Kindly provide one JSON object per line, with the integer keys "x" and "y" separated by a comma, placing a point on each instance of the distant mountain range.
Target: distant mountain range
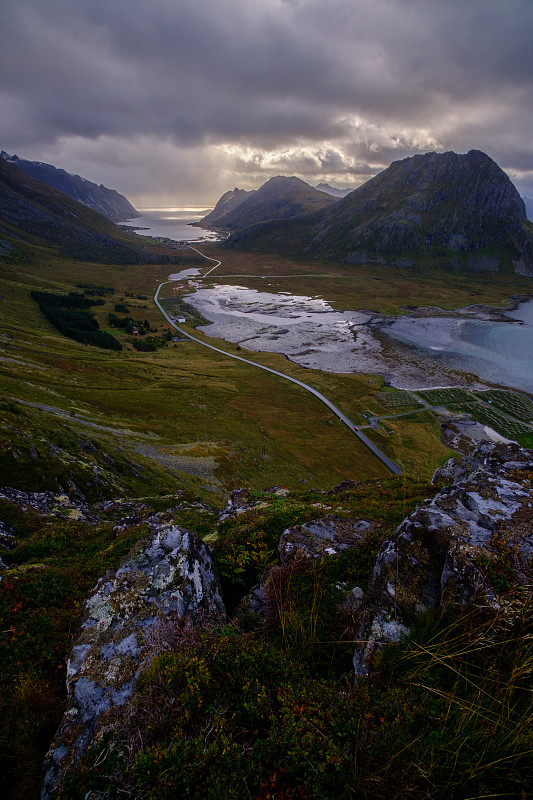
{"x": 458, "y": 211}
{"x": 325, "y": 187}
{"x": 35, "y": 215}
{"x": 106, "y": 201}
{"x": 279, "y": 198}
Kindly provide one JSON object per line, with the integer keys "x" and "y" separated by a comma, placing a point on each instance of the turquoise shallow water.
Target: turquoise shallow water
{"x": 500, "y": 352}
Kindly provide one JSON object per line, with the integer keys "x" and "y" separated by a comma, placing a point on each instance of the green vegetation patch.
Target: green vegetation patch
{"x": 448, "y": 714}
{"x": 93, "y": 290}
{"x": 57, "y": 562}
{"x": 513, "y": 403}
{"x": 66, "y": 314}
{"x": 493, "y": 419}
{"x": 398, "y": 400}
{"x": 246, "y": 545}
{"x": 443, "y": 397}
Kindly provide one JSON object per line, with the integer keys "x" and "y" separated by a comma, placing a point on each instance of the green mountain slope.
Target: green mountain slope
{"x": 461, "y": 211}
{"x": 106, "y": 201}
{"x": 33, "y": 213}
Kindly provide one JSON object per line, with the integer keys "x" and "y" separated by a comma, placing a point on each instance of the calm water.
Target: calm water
{"x": 173, "y": 223}
{"x": 501, "y": 352}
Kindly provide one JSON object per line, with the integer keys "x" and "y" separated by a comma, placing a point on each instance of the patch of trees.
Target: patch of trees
{"x": 67, "y": 313}
{"x": 121, "y": 308}
{"x": 151, "y": 343}
{"x": 130, "y": 325}
{"x": 72, "y": 300}
{"x": 93, "y": 290}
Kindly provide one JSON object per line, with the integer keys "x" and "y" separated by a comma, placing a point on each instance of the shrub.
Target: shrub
{"x": 449, "y": 714}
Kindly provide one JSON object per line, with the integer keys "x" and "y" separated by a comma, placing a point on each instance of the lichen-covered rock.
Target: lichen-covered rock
{"x": 329, "y": 536}
{"x": 448, "y": 472}
{"x": 325, "y": 537}
{"x": 436, "y": 557}
{"x": 238, "y": 502}
{"x": 168, "y": 577}
{"x": 353, "y": 601}
{"x": 241, "y": 501}
{"x": 8, "y": 537}
{"x": 59, "y": 505}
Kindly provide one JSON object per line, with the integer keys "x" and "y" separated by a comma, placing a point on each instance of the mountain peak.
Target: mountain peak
{"x": 280, "y": 198}
{"x": 460, "y": 211}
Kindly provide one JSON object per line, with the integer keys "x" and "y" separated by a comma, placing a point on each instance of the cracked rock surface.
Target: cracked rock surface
{"x": 167, "y": 577}
{"x": 434, "y": 559}
{"x": 328, "y": 536}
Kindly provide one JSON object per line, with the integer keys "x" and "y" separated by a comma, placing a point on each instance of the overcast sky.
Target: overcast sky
{"x": 176, "y": 101}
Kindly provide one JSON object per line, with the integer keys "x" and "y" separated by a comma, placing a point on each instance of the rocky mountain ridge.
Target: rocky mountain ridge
{"x": 227, "y": 203}
{"x": 280, "y": 198}
{"x": 333, "y": 190}
{"x": 459, "y": 211}
{"x": 108, "y": 202}
{"x": 34, "y": 213}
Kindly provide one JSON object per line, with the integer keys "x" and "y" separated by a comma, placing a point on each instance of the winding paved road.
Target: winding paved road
{"x": 394, "y": 468}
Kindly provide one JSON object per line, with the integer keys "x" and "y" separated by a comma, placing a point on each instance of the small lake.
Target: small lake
{"x": 172, "y": 223}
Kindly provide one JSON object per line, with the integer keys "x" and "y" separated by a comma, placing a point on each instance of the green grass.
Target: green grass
{"x": 57, "y": 561}
{"x": 512, "y": 403}
{"x": 258, "y": 425}
{"x": 385, "y": 289}
{"x": 495, "y": 420}
{"x": 394, "y": 400}
{"x": 447, "y": 715}
{"x": 443, "y": 397}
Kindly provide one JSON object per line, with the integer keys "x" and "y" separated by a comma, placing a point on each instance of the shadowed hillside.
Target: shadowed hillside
{"x": 279, "y": 198}
{"x": 31, "y": 212}
{"x": 459, "y": 211}
{"x": 106, "y": 201}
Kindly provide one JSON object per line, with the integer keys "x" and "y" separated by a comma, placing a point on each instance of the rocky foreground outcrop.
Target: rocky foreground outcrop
{"x": 443, "y": 555}
{"x": 446, "y": 556}
{"x": 167, "y": 578}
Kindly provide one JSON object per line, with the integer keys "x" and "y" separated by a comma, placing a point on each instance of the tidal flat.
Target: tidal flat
{"x": 428, "y": 347}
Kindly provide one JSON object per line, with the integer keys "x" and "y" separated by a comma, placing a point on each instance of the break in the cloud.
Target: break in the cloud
{"x": 179, "y": 100}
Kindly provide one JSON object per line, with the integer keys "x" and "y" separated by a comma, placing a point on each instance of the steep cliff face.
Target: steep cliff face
{"x": 435, "y": 202}
{"x": 107, "y": 202}
{"x": 461, "y": 210}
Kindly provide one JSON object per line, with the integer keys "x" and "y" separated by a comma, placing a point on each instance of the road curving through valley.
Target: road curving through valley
{"x": 394, "y": 468}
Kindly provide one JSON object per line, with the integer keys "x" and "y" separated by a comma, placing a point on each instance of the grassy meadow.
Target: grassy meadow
{"x": 178, "y": 417}
{"x": 386, "y": 289}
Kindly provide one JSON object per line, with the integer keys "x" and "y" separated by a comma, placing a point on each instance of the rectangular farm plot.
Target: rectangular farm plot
{"x": 517, "y": 405}
{"x": 493, "y": 419}
{"x": 443, "y": 397}
{"x": 398, "y": 400}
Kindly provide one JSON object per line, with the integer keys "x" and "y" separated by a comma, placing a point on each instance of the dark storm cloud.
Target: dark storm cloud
{"x": 353, "y": 83}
